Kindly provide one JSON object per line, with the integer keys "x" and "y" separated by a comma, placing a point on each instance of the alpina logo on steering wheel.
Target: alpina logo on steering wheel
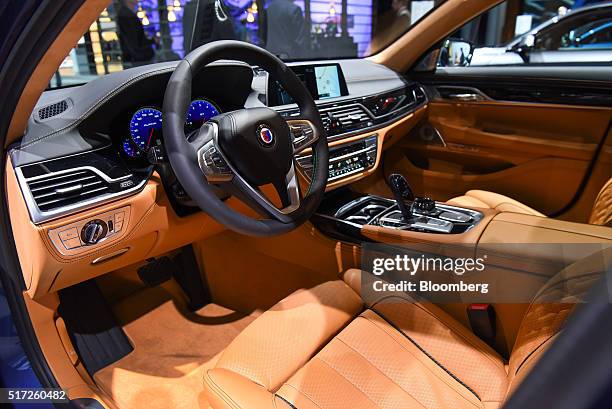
{"x": 265, "y": 135}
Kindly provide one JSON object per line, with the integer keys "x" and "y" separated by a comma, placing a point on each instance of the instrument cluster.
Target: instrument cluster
{"x": 145, "y": 126}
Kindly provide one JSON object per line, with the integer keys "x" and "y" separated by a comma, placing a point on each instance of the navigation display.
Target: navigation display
{"x": 323, "y": 81}
{"x": 328, "y": 81}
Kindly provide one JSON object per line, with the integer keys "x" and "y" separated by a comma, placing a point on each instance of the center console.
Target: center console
{"x": 383, "y": 212}
{"x": 346, "y": 159}
{"x": 347, "y": 215}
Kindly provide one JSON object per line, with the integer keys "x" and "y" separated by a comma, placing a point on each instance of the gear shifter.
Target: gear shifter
{"x": 402, "y": 193}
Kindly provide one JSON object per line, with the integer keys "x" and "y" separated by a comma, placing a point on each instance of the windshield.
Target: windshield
{"x": 130, "y": 33}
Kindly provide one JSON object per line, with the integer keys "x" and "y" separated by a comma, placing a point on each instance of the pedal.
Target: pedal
{"x": 157, "y": 271}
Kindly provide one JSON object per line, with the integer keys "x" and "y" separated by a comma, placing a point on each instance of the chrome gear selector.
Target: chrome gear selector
{"x": 402, "y": 193}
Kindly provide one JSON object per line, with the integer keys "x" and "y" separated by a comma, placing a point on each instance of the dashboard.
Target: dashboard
{"x": 102, "y": 141}
{"x": 91, "y": 175}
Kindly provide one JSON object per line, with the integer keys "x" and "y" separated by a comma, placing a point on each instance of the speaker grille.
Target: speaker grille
{"x": 49, "y": 111}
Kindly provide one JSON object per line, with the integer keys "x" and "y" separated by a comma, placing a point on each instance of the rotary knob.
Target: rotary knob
{"x": 93, "y": 231}
{"x": 424, "y": 204}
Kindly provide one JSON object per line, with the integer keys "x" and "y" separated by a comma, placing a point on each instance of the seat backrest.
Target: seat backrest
{"x": 550, "y": 309}
{"x": 602, "y": 208}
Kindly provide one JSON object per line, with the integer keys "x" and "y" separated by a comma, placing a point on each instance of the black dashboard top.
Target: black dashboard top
{"x": 76, "y": 119}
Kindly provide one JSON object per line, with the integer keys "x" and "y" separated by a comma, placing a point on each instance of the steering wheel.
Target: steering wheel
{"x": 242, "y": 150}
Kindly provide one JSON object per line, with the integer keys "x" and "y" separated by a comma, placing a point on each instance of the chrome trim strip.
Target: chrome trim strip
{"x": 324, "y": 216}
{"x": 38, "y": 216}
{"x": 356, "y": 202}
{"x": 110, "y": 256}
{"x": 461, "y": 89}
{"x": 352, "y": 172}
{"x": 91, "y": 168}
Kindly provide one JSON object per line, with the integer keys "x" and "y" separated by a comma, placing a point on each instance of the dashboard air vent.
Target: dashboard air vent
{"x": 65, "y": 189}
{"x": 345, "y": 116}
{"x": 54, "y": 109}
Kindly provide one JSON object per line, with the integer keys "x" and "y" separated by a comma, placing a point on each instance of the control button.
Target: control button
{"x": 212, "y": 164}
{"x": 119, "y": 216}
{"x": 439, "y": 226}
{"x": 69, "y": 234}
{"x": 424, "y": 204}
{"x": 156, "y": 155}
{"x": 371, "y": 159}
{"x": 118, "y": 226}
{"x": 93, "y": 231}
{"x": 455, "y": 217}
{"x": 110, "y": 226}
{"x": 303, "y": 134}
{"x": 72, "y": 243}
{"x": 214, "y": 160}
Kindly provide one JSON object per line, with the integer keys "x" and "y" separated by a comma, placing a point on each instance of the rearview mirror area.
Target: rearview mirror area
{"x": 455, "y": 53}
{"x": 524, "y": 46}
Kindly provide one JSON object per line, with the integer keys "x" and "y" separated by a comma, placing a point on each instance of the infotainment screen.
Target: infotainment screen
{"x": 323, "y": 81}
{"x": 328, "y": 81}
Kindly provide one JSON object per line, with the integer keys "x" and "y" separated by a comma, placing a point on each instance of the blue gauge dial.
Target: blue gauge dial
{"x": 146, "y": 128}
{"x": 200, "y": 111}
{"x": 129, "y": 148}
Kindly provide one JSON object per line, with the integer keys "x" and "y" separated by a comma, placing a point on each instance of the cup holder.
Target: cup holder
{"x": 363, "y": 210}
{"x": 372, "y": 210}
{"x": 358, "y": 219}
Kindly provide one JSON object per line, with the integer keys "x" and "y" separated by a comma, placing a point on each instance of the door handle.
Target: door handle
{"x": 466, "y": 97}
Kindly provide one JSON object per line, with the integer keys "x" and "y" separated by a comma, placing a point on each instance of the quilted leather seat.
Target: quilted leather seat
{"x": 601, "y": 214}
{"x": 324, "y": 348}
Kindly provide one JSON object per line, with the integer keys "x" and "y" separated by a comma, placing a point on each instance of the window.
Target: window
{"x": 130, "y": 33}
{"x": 580, "y": 33}
{"x": 518, "y": 32}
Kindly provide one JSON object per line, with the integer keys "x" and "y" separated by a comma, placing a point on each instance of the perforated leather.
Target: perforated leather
{"x": 319, "y": 349}
{"x": 285, "y": 337}
{"x": 602, "y": 209}
{"x": 370, "y": 364}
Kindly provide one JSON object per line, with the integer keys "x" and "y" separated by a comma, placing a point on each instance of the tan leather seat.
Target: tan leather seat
{"x": 601, "y": 213}
{"x": 323, "y": 348}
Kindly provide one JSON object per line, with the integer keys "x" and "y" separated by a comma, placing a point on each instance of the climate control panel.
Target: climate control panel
{"x": 83, "y": 235}
{"x": 347, "y": 159}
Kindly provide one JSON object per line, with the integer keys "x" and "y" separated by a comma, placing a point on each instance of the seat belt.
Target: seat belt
{"x": 482, "y": 321}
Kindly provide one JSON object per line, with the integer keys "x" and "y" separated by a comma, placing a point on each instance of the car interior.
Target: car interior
{"x": 190, "y": 233}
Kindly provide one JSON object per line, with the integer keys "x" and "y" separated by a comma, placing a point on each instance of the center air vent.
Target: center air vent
{"x": 54, "y": 109}
{"x": 346, "y": 115}
{"x": 65, "y": 189}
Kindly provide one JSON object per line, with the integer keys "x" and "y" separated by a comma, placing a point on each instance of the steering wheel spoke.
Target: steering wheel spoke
{"x": 211, "y": 160}
{"x": 287, "y": 189}
{"x": 303, "y": 133}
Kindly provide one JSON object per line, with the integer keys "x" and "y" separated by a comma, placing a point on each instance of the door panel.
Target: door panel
{"x": 539, "y": 153}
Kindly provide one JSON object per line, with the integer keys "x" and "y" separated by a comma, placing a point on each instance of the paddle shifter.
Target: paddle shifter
{"x": 402, "y": 193}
